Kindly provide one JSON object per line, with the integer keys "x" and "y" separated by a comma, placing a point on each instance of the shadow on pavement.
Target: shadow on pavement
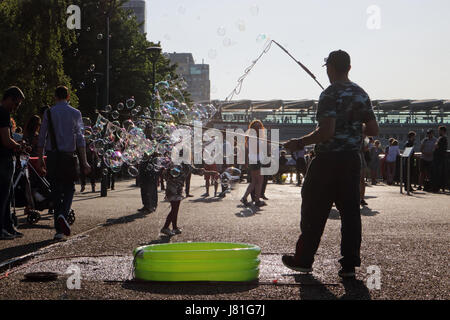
{"x": 334, "y": 215}
{"x": 247, "y": 212}
{"x": 189, "y": 288}
{"x": 160, "y": 240}
{"x": 313, "y": 289}
{"x": 206, "y": 200}
{"x": 355, "y": 290}
{"x": 125, "y": 219}
{"x": 18, "y": 251}
{"x": 367, "y": 212}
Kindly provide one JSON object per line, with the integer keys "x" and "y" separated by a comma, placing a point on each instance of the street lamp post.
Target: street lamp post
{"x": 154, "y": 53}
{"x": 107, "y": 58}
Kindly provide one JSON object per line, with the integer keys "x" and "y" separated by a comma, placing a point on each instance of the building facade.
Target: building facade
{"x": 195, "y": 75}
{"x": 140, "y": 11}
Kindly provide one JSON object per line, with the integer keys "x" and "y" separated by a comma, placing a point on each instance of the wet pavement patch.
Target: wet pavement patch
{"x": 119, "y": 269}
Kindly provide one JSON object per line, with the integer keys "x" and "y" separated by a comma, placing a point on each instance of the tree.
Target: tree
{"x": 32, "y": 33}
{"x": 131, "y": 69}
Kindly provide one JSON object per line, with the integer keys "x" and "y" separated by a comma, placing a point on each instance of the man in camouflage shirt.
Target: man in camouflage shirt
{"x": 344, "y": 115}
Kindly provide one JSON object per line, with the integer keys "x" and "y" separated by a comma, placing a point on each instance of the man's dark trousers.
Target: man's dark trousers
{"x": 6, "y": 180}
{"x": 148, "y": 182}
{"x": 62, "y": 197}
{"x": 62, "y": 190}
{"x": 188, "y": 183}
{"x": 331, "y": 177}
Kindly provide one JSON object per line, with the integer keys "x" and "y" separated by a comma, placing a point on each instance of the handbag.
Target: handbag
{"x": 62, "y": 166}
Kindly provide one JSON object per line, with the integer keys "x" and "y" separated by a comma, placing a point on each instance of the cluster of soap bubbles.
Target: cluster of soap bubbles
{"x": 125, "y": 134}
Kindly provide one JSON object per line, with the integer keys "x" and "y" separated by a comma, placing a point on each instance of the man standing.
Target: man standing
{"x": 344, "y": 115}
{"x": 11, "y": 101}
{"x": 61, "y": 135}
{"x": 409, "y": 144}
{"x": 426, "y": 148}
{"x": 300, "y": 165}
{"x": 439, "y": 158}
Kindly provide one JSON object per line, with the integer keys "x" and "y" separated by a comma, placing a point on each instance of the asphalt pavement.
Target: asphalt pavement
{"x": 405, "y": 248}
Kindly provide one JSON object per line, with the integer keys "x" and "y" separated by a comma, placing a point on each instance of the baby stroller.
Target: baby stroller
{"x": 32, "y": 191}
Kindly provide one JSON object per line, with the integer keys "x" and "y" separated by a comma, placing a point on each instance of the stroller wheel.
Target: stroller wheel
{"x": 71, "y": 217}
{"x": 33, "y": 217}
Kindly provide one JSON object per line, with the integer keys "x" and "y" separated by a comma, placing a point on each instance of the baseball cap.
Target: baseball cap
{"x": 339, "y": 59}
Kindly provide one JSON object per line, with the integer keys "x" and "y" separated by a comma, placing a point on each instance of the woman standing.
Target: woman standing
{"x": 375, "y": 161}
{"x": 391, "y": 159}
{"x": 254, "y": 166}
{"x": 31, "y": 133}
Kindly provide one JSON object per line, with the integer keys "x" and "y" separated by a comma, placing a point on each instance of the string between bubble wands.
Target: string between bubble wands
{"x": 238, "y": 88}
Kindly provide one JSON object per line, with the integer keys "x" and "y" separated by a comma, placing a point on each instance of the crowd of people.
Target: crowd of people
{"x": 428, "y": 160}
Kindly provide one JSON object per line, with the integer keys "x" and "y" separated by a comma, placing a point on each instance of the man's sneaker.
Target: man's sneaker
{"x": 205, "y": 195}
{"x": 363, "y": 202}
{"x": 167, "y": 232}
{"x": 145, "y": 210}
{"x": 289, "y": 262}
{"x": 63, "y": 225}
{"x": 347, "y": 273}
{"x": 58, "y": 237}
{"x": 176, "y": 231}
{"x": 189, "y": 196}
{"x": 15, "y": 233}
{"x": 5, "y": 235}
{"x": 245, "y": 202}
{"x": 260, "y": 204}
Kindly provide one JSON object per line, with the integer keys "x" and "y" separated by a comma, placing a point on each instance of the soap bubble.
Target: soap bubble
{"x": 128, "y": 124}
{"x": 221, "y": 31}
{"x": 120, "y": 106}
{"x": 113, "y": 159}
{"x": 176, "y": 171}
{"x": 133, "y": 171}
{"x": 87, "y": 122}
{"x": 227, "y": 42}
{"x": 115, "y": 114}
{"x": 212, "y": 54}
{"x": 261, "y": 38}
{"x": 130, "y": 103}
{"x": 108, "y": 108}
{"x": 240, "y": 24}
{"x": 254, "y": 10}
{"x": 100, "y": 36}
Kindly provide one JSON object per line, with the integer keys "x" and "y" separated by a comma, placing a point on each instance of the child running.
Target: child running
{"x": 175, "y": 178}
{"x": 209, "y": 179}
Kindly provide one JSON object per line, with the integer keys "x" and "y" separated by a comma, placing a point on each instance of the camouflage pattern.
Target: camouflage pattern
{"x": 350, "y": 105}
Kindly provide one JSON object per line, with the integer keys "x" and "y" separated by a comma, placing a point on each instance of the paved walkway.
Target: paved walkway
{"x": 406, "y": 237}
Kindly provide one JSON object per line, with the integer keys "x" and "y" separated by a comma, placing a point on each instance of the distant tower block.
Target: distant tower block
{"x": 139, "y": 9}
{"x": 196, "y": 76}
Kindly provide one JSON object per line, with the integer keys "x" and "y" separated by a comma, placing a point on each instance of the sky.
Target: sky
{"x": 400, "y": 49}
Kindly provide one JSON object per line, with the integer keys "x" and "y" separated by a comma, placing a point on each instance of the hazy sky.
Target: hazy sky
{"x": 407, "y": 57}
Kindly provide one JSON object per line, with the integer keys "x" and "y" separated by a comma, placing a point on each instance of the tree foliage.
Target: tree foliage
{"x": 39, "y": 52}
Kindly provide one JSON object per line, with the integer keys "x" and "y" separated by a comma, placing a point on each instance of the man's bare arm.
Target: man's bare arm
{"x": 6, "y": 139}
{"x": 324, "y": 132}
{"x": 371, "y": 128}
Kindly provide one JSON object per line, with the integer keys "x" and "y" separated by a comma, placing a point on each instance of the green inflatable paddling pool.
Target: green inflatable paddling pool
{"x": 197, "y": 261}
